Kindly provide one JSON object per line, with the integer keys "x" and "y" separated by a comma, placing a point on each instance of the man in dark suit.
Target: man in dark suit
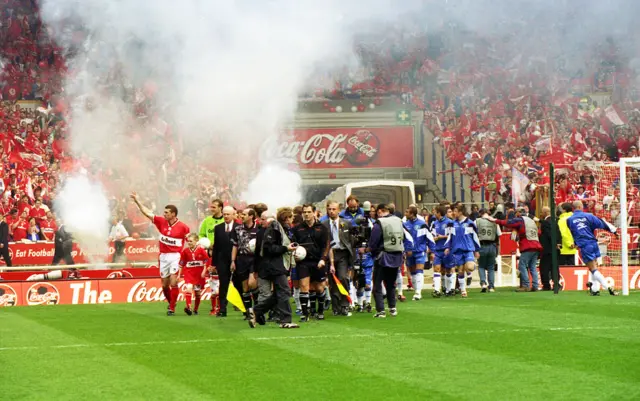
{"x": 221, "y": 255}
{"x": 341, "y": 257}
{"x": 4, "y": 241}
{"x": 547, "y": 248}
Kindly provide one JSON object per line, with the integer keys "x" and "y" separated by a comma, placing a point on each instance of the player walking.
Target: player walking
{"x": 441, "y": 229}
{"x": 582, "y": 226}
{"x": 172, "y": 234}
{"x": 194, "y": 261}
{"x": 417, "y": 239}
{"x": 465, "y": 246}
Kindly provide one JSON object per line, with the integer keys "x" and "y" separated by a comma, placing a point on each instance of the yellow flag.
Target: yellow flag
{"x": 233, "y": 296}
{"x": 341, "y": 288}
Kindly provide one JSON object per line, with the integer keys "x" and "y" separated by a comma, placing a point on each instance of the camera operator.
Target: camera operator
{"x": 386, "y": 246}
{"x": 312, "y": 271}
{"x": 276, "y": 260}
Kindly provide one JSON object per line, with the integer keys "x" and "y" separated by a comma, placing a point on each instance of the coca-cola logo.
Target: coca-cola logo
{"x": 43, "y": 294}
{"x": 8, "y": 296}
{"x": 358, "y": 149}
{"x": 603, "y": 237}
{"x": 362, "y": 147}
{"x": 139, "y": 292}
{"x": 120, "y": 274}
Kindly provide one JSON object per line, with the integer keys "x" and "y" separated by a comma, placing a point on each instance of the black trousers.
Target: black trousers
{"x": 224, "y": 275}
{"x": 4, "y": 252}
{"x": 566, "y": 260}
{"x": 384, "y": 276}
{"x": 280, "y": 299}
{"x": 341, "y": 263}
{"x": 60, "y": 254}
{"x": 118, "y": 256}
{"x": 545, "y": 270}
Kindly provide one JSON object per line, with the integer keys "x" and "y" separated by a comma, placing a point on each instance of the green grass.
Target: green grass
{"x": 501, "y": 346}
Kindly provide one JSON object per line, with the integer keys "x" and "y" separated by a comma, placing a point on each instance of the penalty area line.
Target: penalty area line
{"x": 309, "y": 337}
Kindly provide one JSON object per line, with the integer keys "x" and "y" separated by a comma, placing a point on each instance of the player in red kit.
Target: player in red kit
{"x": 194, "y": 260}
{"x": 172, "y": 235}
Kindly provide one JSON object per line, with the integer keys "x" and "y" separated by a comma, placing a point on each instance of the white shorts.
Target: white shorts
{"x": 169, "y": 264}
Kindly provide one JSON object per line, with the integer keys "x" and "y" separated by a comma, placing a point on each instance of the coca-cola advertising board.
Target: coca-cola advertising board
{"x": 348, "y": 147}
{"x": 575, "y": 278}
{"x": 41, "y": 253}
{"x": 85, "y": 274}
{"x": 80, "y": 292}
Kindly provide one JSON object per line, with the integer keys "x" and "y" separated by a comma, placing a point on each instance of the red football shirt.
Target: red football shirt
{"x": 192, "y": 263}
{"x": 171, "y": 235}
{"x": 48, "y": 228}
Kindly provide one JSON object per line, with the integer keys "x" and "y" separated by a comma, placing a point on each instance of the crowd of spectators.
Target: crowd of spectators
{"x": 509, "y": 108}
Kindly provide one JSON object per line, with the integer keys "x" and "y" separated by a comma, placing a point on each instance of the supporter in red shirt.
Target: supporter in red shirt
{"x": 48, "y": 227}
{"x": 19, "y": 227}
{"x": 38, "y": 211}
{"x": 24, "y": 205}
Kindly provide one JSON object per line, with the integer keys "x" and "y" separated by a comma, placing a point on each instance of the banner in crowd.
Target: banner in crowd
{"x": 41, "y": 253}
{"x": 80, "y": 292}
{"x": 607, "y": 241}
{"x": 575, "y": 278}
{"x": 101, "y": 274}
{"x": 349, "y": 147}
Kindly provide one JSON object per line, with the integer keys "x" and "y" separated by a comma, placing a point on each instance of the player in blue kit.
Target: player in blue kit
{"x": 465, "y": 246}
{"x": 582, "y": 226}
{"x": 417, "y": 239}
{"x": 443, "y": 262}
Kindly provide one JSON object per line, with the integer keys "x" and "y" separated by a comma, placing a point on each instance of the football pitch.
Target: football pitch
{"x": 501, "y": 346}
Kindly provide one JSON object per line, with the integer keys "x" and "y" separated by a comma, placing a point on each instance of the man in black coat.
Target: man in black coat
{"x": 276, "y": 259}
{"x": 547, "y": 248}
{"x": 63, "y": 246}
{"x": 221, "y": 255}
{"x": 341, "y": 257}
{"x": 4, "y": 241}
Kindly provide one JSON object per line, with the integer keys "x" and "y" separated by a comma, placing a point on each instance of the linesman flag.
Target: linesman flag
{"x": 341, "y": 288}
{"x": 233, "y": 296}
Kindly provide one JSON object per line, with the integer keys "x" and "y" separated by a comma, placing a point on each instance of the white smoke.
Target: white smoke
{"x": 276, "y": 186}
{"x": 221, "y": 69}
{"x": 84, "y": 210}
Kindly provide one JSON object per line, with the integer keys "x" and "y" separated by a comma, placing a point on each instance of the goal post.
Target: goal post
{"x": 626, "y": 165}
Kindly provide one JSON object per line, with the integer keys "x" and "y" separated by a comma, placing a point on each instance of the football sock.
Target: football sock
{"x": 255, "y": 293}
{"x": 214, "y": 302}
{"x": 327, "y": 295}
{"x": 367, "y": 296}
{"x": 296, "y": 297}
{"x": 399, "y": 283}
{"x": 313, "y": 297}
{"x": 437, "y": 281}
{"x": 174, "y": 298}
{"x": 320, "y": 305}
{"x": 196, "y": 303}
{"x": 595, "y": 286}
{"x": 598, "y": 277}
{"x": 187, "y": 298}
{"x": 304, "y": 303}
{"x": 450, "y": 282}
{"x": 352, "y": 293}
{"x": 418, "y": 282}
{"x": 246, "y": 300}
{"x": 360, "y": 295}
{"x": 462, "y": 281}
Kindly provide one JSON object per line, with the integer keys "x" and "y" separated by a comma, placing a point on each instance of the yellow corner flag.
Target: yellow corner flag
{"x": 341, "y": 288}
{"x": 233, "y": 296}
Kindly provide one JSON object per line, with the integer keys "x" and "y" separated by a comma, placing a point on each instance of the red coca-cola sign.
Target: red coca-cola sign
{"x": 315, "y": 148}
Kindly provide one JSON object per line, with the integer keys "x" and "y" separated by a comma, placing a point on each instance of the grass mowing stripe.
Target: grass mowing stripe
{"x": 88, "y": 372}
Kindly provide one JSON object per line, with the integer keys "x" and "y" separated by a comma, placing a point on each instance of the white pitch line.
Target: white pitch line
{"x": 310, "y": 337}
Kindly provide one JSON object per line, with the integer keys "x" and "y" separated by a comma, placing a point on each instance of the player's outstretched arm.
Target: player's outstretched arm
{"x": 143, "y": 209}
